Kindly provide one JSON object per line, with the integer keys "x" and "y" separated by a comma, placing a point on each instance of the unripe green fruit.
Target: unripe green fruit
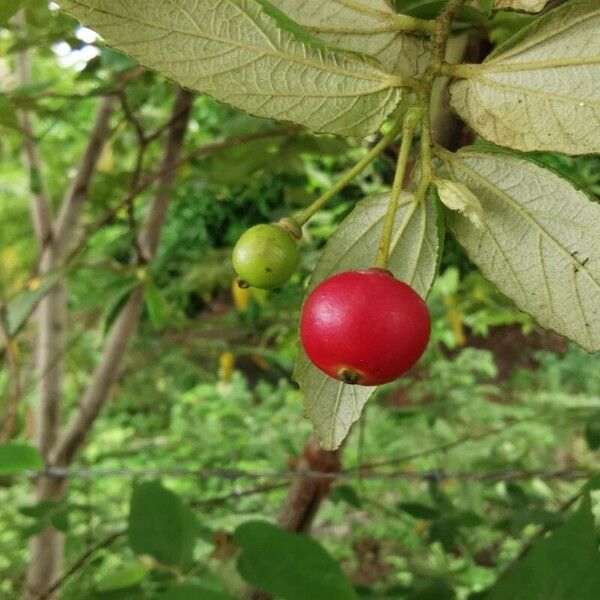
{"x": 265, "y": 256}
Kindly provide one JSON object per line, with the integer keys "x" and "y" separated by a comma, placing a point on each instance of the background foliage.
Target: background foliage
{"x": 486, "y": 447}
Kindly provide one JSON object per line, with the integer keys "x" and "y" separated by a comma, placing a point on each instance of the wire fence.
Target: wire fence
{"x": 232, "y": 475}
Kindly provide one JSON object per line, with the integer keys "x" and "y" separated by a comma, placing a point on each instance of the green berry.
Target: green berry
{"x": 265, "y": 256}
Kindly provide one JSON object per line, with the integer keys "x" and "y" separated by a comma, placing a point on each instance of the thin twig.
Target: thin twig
{"x": 539, "y": 534}
{"x": 107, "y": 541}
{"x": 9, "y": 421}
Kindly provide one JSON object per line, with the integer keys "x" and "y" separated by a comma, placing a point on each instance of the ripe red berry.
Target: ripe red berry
{"x": 364, "y": 327}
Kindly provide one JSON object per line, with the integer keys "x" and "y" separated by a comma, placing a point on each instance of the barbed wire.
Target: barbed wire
{"x": 344, "y": 475}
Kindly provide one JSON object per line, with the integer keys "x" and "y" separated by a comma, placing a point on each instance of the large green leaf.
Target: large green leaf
{"x": 540, "y": 90}
{"x": 331, "y": 405}
{"x": 156, "y": 303}
{"x": 361, "y": 25}
{"x": 245, "y": 53}
{"x": 532, "y": 6}
{"x": 160, "y": 525}
{"x": 291, "y": 566}
{"x": 16, "y": 457}
{"x": 539, "y": 242}
{"x": 565, "y": 566}
{"x": 123, "y": 576}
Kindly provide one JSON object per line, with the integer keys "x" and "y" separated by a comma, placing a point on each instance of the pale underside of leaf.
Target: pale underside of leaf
{"x": 540, "y": 91}
{"x": 532, "y": 6}
{"x": 331, "y": 405}
{"x": 539, "y": 242}
{"x": 363, "y": 26}
{"x": 234, "y": 51}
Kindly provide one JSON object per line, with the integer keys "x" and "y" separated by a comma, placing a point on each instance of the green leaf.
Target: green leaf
{"x": 19, "y": 309}
{"x": 16, "y": 457}
{"x": 593, "y": 483}
{"x": 8, "y": 116}
{"x": 124, "y": 576}
{"x": 347, "y": 494}
{"x": 362, "y": 26}
{"x": 564, "y": 566}
{"x": 156, "y": 304}
{"x": 531, "y": 6}
{"x": 419, "y": 511}
{"x": 160, "y": 525}
{"x": 115, "y": 303}
{"x": 436, "y": 590}
{"x": 41, "y": 510}
{"x": 539, "y": 91}
{"x": 241, "y": 55}
{"x": 60, "y": 520}
{"x": 291, "y": 566}
{"x": 193, "y": 592}
{"x": 539, "y": 243}
{"x": 446, "y": 532}
{"x": 331, "y": 405}
{"x": 8, "y": 8}
{"x": 592, "y": 432}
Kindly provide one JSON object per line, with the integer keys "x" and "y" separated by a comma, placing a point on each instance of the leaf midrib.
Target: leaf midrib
{"x": 277, "y": 53}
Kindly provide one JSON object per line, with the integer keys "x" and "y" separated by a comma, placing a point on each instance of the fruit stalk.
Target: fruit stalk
{"x": 409, "y": 126}
{"x": 303, "y": 216}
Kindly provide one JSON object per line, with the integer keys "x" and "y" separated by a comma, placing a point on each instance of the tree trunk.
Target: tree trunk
{"x": 47, "y": 548}
{"x": 305, "y": 495}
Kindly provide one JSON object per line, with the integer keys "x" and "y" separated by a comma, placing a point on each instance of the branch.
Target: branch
{"x": 106, "y": 372}
{"x": 8, "y": 424}
{"x": 151, "y": 178}
{"x": 538, "y": 535}
{"x": 41, "y": 211}
{"x": 111, "y": 538}
{"x": 107, "y": 541}
{"x": 77, "y": 194}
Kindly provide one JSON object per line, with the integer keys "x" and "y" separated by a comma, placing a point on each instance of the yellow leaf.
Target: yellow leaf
{"x": 241, "y": 296}
{"x": 226, "y": 365}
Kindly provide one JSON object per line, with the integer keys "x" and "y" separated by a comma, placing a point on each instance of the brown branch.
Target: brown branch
{"x": 149, "y": 236}
{"x": 113, "y": 537}
{"x": 434, "y": 449}
{"x": 8, "y": 425}
{"x": 538, "y": 535}
{"x": 77, "y": 194}
{"x": 151, "y": 178}
{"x": 41, "y": 209}
{"x": 260, "y": 489}
{"x": 94, "y": 397}
{"x": 122, "y": 331}
{"x": 306, "y": 494}
{"x": 80, "y": 562}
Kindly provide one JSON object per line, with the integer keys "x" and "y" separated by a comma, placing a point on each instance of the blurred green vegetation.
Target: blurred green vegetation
{"x": 207, "y": 380}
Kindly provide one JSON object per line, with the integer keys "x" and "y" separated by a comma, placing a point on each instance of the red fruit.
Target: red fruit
{"x": 364, "y": 327}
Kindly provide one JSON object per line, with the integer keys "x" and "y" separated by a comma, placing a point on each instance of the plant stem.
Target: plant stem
{"x": 302, "y": 217}
{"x": 413, "y": 24}
{"x": 409, "y": 126}
{"x": 436, "y": 67}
